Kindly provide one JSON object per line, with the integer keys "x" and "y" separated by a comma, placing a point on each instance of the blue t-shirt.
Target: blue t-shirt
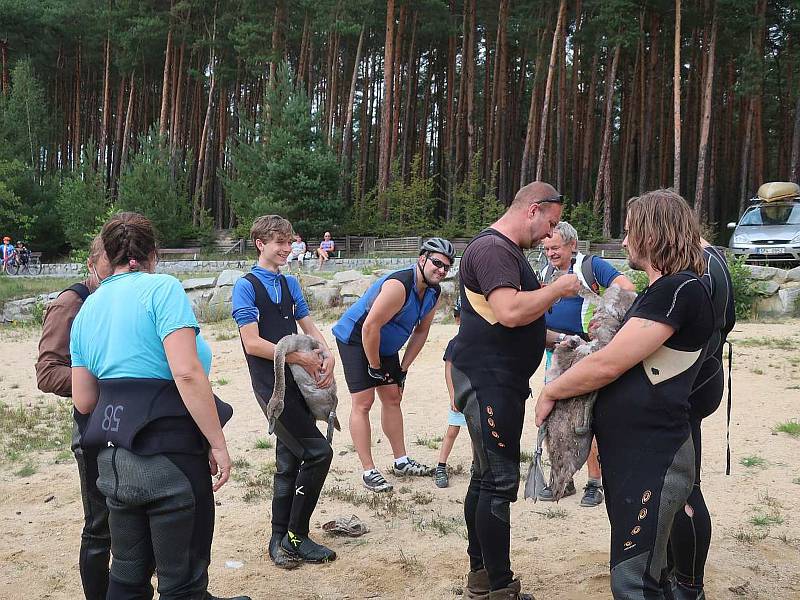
{"x": 8, "y": 250}
{"x": 244, "y": 309}
{"x": 572, "y": 315}
{"x": 120, "y": 329}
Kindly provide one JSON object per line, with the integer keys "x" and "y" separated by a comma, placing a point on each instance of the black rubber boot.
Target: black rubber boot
{"x": 211, "y": 597}
{"x": 306, "y": 549}
{"x": 279, "y": 556}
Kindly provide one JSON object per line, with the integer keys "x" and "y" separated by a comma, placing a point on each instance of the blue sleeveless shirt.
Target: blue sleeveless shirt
{"x": 396, "y": 332}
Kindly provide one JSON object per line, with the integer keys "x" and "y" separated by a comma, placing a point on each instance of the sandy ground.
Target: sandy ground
{"x": 416, "y": 546}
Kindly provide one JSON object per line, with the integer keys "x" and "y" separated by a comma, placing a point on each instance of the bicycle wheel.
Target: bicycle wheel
{"x": 13, "y": 267}
{"x": 35, "y": 267}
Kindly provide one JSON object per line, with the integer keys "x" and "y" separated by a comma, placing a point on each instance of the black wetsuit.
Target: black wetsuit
{"x": 492, "y": 366}
{"x": 641, "y": 421}
{"x": 303, "y": 455}
{"x": 691, "y": 535}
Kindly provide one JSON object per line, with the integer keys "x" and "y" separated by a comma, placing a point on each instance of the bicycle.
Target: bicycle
{"x": 29, "y": 265}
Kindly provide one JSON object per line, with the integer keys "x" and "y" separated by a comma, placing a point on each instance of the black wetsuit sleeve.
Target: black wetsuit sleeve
{"x": 680, "y": 302}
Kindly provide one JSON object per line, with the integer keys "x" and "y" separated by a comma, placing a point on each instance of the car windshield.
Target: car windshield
{"x": 772, "y": 214}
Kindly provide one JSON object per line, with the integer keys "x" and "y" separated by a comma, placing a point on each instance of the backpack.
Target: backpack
{"x": 582, "y": 267}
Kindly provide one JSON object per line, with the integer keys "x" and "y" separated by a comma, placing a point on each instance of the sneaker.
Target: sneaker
{"x": 375, "y": 482}
{"x": 440, "y": 476}
{"x": 411, "y": 467}
{"x": 210, "y": 597}
{"x": 592, "y": 495}
{"x": 304, "y": 548}
{"x": 279, "y": 556}
{"x": 546, "y": 495}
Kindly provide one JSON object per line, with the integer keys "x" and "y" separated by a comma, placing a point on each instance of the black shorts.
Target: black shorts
{"x": 355, "y": 365}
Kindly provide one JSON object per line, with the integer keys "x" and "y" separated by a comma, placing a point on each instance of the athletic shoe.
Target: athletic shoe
{"x": 592, "y": 495}
{"x": 375, "y": 482}
{"x": 546, "y": 495}
{"x": 440, "y": 476}
{"x": 279, "y": 556}
{"x": 304, "y": 548}
{"x": 210, "y": 597}
{"x": 411, "y": 467}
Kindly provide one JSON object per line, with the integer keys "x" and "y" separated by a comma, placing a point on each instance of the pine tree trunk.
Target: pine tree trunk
{"x": 386, "y": 111}
{"x": 603, "y": 188}
{"x": 794, "y": 166}
{"x": 347, "y": 140}
{"x": 676, "y": 100}
{"x": 500, "y": 94}
{"x": 279, "y": 24}
{"x": 470, "y": 91}
{"x": 407, "y": 133}
{"x": 177, "y": 108}
{"x": 744, "y": 192}
{"x": 104, "y": 146}
{"x": 561, "y": 118}
{"x": 648, "y": 104}
{"x": 4, "y": 60}
{"x": 398, "y": 81}
{"x": 562, "y": 10}
{"x": 699, "y": 195}
{"x": 588, "y": 136}
{"x": 201, "y": 155}
{"x": 449, "y": 128}
{"x": 126, "y": 135}
{"x": 76, "y": 123}
{"x": 162, "y": 126}
{"x": 532, "y": 129}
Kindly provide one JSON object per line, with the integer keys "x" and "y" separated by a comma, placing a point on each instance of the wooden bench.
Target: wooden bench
{"x": 193, "y": 252}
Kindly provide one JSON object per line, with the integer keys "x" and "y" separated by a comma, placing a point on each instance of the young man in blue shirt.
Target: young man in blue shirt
{"x": 571, "y": 316}
{"x": 268, "y": 306}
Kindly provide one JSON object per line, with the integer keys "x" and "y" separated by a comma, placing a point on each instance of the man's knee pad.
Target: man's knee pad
{"x": 627, "y": 578}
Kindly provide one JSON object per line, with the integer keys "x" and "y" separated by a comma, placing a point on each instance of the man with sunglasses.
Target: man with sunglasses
{"x": 397, "y": 309}
{"x": 498, "y": 348}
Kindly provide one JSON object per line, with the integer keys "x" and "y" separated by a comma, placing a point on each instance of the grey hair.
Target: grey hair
{"x": 566, "y": 231}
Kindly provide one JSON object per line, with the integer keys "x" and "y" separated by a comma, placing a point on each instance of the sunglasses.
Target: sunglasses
{"x": 554, "y": 200}
{"x": 439, "y": 264}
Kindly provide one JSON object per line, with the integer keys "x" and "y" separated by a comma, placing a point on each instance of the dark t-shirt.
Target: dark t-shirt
{"x": 492, "y": 261}
{"x": 647, "y": 408}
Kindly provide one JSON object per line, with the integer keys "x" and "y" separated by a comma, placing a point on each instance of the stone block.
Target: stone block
{"x": 228, "y": 277}
{"x": 793, "y": 274}
{"x": 763, "y": 273}
{"x": 323, "y": 296}
{"x": 307, "y": 280}
{"x": 347, "y": 276}
{"x": 198, "y": 283}
{"x": 356, "y": 288}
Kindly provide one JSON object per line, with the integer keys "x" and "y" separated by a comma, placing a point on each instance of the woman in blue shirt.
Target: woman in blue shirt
{"x": 141, "y": 368}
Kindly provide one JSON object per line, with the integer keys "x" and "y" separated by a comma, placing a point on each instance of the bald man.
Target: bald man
{"x": 498, "y": 347}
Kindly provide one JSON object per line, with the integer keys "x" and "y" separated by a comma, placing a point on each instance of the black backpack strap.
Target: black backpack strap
{"x": 80, "y": 289}
{"x": 588, "y": 273}
{"x": 730, "y": 404}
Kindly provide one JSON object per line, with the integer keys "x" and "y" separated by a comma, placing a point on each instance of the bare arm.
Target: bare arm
{"x": 387, "y": 304}
{"x": 418, "y": 338}
{"x": 85, "y": 390}
{"x": 624, "y": 283}
{"x": 195, "y": 389}
{"x": 326, "y": 372}
{"x": 514, "y": 308}
{"x": 637, "y": 340}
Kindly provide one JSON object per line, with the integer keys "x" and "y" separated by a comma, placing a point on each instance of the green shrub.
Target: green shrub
{"x": 746, "y": 290}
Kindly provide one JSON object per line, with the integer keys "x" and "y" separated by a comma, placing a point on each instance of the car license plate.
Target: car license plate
{"x": 771, "y": 250}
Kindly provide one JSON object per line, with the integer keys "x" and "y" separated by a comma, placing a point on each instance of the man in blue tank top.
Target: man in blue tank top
{"x": 396, "y": 309}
